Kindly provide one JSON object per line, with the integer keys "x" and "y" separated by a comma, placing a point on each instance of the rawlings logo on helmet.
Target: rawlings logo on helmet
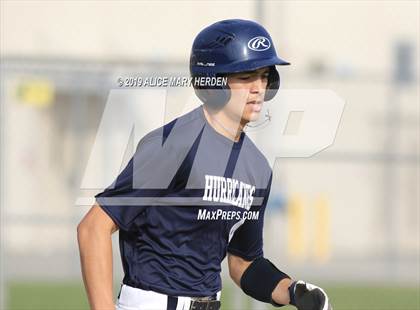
{"x": 259, "y": 44}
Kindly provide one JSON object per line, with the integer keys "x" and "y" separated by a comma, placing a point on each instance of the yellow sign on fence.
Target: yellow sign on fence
{"x": 36, "y": 92}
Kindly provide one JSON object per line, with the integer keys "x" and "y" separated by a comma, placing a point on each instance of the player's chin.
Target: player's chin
{"x": 252, "y": 116}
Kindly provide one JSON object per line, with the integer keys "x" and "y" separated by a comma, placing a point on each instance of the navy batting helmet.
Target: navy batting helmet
{"x": 232, "y": 46}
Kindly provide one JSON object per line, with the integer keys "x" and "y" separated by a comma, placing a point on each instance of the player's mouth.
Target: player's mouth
{"x": 256, "y": 105}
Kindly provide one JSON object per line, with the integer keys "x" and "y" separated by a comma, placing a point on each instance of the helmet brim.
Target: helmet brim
{"x": 243, "y": 66}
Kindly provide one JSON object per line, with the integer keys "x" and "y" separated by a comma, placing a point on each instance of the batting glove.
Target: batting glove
{"x": 306, "y": 296}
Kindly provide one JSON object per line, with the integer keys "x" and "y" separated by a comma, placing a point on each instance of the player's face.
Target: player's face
{"x": 247, "y": 94}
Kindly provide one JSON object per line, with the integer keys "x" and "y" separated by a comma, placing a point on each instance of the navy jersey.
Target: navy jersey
{"x": 187, "y": 197}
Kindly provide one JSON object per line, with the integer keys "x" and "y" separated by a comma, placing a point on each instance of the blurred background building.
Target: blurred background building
{"x": 348, "y": 215}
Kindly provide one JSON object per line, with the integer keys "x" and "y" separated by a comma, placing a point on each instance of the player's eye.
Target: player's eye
{"x": 244, "y": 77}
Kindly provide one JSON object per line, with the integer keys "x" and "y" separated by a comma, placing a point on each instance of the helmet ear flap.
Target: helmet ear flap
{"x": 273, "y": 84}
{"x": 214, "y": 97}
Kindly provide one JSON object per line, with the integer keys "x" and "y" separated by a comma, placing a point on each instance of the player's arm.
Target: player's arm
{"x": 95, "y": 246}
{"x": 261, "y": 280}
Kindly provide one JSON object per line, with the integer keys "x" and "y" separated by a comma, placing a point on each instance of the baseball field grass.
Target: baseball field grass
{"x": 71, "y": 295}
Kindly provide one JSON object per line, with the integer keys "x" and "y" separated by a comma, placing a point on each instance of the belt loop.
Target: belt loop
{"x": 172, "y": 303}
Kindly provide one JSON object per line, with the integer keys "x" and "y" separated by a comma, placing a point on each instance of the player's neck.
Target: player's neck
{"x": 223, "y": 124}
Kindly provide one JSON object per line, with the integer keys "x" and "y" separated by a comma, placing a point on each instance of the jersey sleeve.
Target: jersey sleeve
{"x": 124, "y": 200}
{"x": 247, "y": 241}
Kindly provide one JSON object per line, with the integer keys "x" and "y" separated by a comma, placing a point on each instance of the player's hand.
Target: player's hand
{"x": 306, "y": 296}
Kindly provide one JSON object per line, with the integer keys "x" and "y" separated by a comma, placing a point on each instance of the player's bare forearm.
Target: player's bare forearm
{"x": 237, "y": 267}
{"x": 281, "y": 293}
{"x": 95, "y": 245}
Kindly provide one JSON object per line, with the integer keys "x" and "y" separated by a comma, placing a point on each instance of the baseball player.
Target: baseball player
{"x": 194, "y": 192}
